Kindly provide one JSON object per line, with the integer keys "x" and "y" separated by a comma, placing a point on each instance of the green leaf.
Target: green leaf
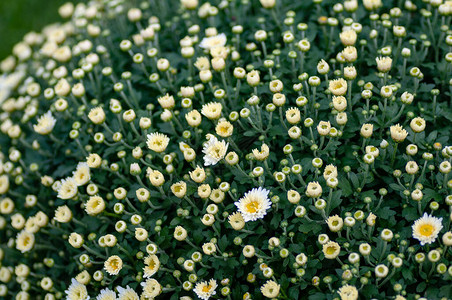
{"x": 385, "y": 213}
{"x": 345, "y": 186}
{"x": 311, "y": 227}
{"x": 407, "y": 274}
{"x": 336, "y": 199}
{"x": 317, "y": 296}
{"x": 421, "y": 287}
{"x": 410, "y": 213}
{"x": 354, "y": 180}
{"x": 294, "y": 292}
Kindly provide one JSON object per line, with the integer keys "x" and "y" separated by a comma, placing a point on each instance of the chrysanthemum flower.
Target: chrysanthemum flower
{"x": 180, "y": 233}
{"x": 157, "y": 142}
{"x": 398, "y": 134}
{"x": 209, "y": 248}
{"x": 205, "y": 290}
{"x": 166, "y": 102}
{"x": 76, "y": 291}
{"x": 127, "y": 293}
{"x": 314, "y": 190}
{"x": 384, "y": 64}
{"x": 152, "y": 265}
{"x": 94, "y": 160}
{"x": 84, "y": 277}
{"x": 82, "y": 174}
{"x": 25, "y": 241}
{"x": 95, "y": 205}
{"x": 4, "y": 184}
{"x": 213, "y": 41}
{"x": 214, "y": 151}
{"x": 338, "y": 87}
{"x": 224, "y": 128}
{"x": 193, "y": 118}
{"x": 254, "y": 204}
{"x": 381, "y": 271}
{"x": 113, "y": 265}
{"x": 262, "y": 154}
{"x": 67, "y": 189}
{"x": 331, "y": 250}
{"x": 155, "y": 177}
{"x": 151, "y": 288}
{"x": 335, "y": 223}
{"x": 236, "y": 220}
{"x": 212, "y": 110}
{"x": 426, "y": 229}
{"x": 270, "y": 289}
{"x": 198, "y": 175}
{"x": 106, "y": 294}
{"x": 46, "y": 123}
{"x": 330, "y": 172}
{"x": 348, "y": 292}
{"x": 179, "y": 189}
{"x": 97, "y": 115}
{"x": 202, "y": 63}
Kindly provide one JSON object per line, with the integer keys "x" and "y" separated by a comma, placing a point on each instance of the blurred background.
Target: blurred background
{"x": 17, "y": 17}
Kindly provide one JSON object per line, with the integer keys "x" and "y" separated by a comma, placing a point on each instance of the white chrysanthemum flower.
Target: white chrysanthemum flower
{"x": 205, "y": 290}
{"x": 348, "y": 292}
{"x": 426, "y": 229}
{"x": 151, "y": 288}
{"x": 82, "y": 174}
{"x": 95, "y": 205}
{"x": 270, "y": 289}
{"x": 202, "y": 63}
{"x": 213, "y": 41}
{"x": 212, "y": 110}
{"x": 106, "y": 294}
{"x": 157, "y": 141}
{"x": 398, "y": 134}
{"x": 113, "y": 265}
{"x": 67, "y": 189}
{"x": 152, "y": 265}
{"x": 63, "y": 214}
{"x": 4, "y": 184}
{"x": 127, "y": 293}
{"x": 254, "y": 204}
{"x": 214, "y": 151}
{"x": 224, "y": 128}
{"x": 331, "y": 250}
{"x": 338, "y": 87}
{"x": 76, "y": 291}
{"x": 97, "y": 115}
{"x": 45, "y": 125}
{"x": 25, "y": 241}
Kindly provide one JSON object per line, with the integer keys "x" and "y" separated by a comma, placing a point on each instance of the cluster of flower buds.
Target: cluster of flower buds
{"x": 239, "y": 149}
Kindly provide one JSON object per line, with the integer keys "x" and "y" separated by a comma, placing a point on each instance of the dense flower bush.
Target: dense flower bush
{"x": 236, "y": 149}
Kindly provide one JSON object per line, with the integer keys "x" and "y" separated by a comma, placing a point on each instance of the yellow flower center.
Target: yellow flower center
{"x": 426, "y": 230}
{"x": 224, "y": 129}
{"x": 114, "y": 264}
{"x": 330, "y": 250}
{"x": 151, "y": 264}
{"x": 252, "y": 207}
{"x": 217, "y": 150}
{"x": 337, "y": 85}
{"x": 206, "y": 288}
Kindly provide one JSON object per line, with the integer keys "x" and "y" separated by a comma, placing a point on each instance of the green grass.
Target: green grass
{"x": 17, "y": 17}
